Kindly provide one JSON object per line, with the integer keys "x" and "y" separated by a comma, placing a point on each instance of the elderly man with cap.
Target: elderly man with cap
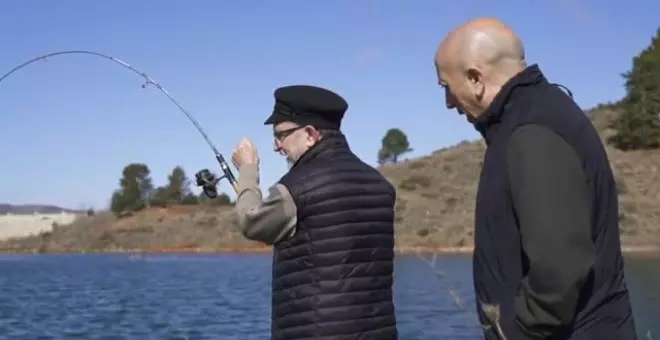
{"x": 330, "y": 220}
{"x": 547, "y": 248}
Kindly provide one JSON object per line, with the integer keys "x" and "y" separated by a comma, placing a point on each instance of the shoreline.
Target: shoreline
{"x": 404, "y": 250}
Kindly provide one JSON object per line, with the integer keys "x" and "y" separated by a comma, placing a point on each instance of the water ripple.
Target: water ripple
{"x": 197, "y": 297}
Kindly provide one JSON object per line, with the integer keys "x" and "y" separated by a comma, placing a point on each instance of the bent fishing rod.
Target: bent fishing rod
{"x": 204, "y": 178}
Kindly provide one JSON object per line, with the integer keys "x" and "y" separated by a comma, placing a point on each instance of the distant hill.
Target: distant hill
{"x": 32, "y": 208}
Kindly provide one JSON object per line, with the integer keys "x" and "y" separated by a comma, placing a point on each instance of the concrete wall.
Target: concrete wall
{"x": 15, "y": 225}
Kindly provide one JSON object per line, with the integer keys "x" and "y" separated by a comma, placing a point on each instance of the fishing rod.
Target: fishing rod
{"x": 203, "y": 178}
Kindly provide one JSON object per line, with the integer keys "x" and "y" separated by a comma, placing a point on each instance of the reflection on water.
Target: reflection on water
{"x": 227, "y": 297}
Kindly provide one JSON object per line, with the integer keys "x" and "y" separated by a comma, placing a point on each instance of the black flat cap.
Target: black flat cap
{"x": 308, "y": 105}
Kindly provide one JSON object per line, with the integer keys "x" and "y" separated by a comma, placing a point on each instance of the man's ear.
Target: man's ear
{"x": 476, "y": 80}
{"x": 313, "y": 133}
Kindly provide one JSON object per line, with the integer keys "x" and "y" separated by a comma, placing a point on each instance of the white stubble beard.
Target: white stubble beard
{"x": 289, "y": 161}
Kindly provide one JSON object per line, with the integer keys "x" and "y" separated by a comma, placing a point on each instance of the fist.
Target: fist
{"x": 245, "y": 153}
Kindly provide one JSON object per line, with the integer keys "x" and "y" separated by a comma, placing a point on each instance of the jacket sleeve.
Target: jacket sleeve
{"x": 268, "y": 220}
{"x": 550, "y": 199}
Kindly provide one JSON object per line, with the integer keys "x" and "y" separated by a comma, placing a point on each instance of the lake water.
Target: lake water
{"x": 227, "y": 297}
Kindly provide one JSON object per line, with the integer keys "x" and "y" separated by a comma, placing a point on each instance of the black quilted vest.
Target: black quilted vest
{"x": 333, "y": 279}
{"x": 499, "y": 263}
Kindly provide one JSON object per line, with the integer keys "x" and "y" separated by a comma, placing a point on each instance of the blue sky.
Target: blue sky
{"x": 69, "y": 124}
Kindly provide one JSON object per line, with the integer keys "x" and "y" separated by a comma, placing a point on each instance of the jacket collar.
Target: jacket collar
{"x": 504, "y": 98}
{"x": 331, "y": 141}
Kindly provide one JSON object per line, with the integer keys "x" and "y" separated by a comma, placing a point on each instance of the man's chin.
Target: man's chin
{"x": 290, "y": 162}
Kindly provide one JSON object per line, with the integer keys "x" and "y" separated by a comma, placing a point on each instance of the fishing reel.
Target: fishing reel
{"x": 209, "y": 181}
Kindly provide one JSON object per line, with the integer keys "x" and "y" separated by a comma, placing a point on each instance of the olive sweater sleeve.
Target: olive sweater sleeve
{"x": 550, "y": 198}
{"x": 270, "y": 219}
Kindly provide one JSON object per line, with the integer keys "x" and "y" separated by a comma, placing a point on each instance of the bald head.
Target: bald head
{"x": 475, "y": 60}
{"x": 485, "y": 42}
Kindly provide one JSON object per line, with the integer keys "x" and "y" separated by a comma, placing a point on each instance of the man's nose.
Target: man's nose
{"x": 277, "y": 146}
{"x": 450, "y": 103}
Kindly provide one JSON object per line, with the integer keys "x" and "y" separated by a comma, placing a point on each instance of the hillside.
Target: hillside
{"x": 435, "y": 208}
{"x": 436, "y": 193}
{"x": 176, "y": 228}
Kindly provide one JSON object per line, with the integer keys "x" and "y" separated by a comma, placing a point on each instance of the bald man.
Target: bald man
{"x": 546, "y": 235}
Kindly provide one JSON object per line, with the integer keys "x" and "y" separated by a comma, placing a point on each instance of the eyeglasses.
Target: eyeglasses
{"x": 281, "y": 135}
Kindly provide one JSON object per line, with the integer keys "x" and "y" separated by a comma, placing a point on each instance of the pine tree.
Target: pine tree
{"x": 638, "y": 126}
{"x": 393, "y": 145}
